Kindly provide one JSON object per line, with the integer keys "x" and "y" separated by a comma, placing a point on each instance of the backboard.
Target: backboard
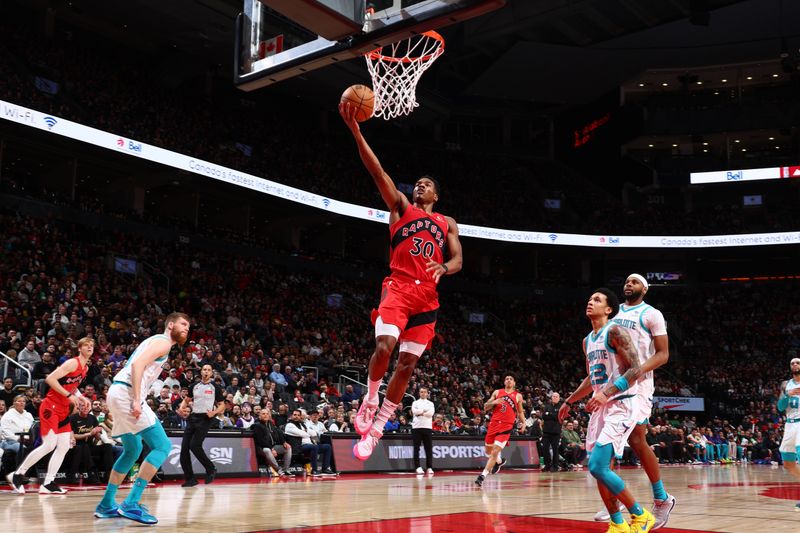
{"x": 280, "y": 39}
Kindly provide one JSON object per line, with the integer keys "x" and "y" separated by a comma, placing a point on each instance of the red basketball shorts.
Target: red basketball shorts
{"x": 498, "y": 434}
{"x": 410, "y": 306}
{"x": 54, "y": 416}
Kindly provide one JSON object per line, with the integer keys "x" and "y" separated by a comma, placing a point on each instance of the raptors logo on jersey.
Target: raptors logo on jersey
{"x": 505, "y": 412}
{"x": 416, "y": 239}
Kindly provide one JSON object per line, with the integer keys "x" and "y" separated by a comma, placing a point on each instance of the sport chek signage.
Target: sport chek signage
{"x": 395, "y": 453}
{"x": 679, "y": 403}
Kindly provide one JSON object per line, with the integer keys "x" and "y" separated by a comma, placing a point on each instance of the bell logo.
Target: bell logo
{"x": 120, "y": 143}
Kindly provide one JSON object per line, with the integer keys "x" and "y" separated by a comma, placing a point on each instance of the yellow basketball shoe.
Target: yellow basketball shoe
{"x": 618, "y": 528}
{"x": 642, "y": 523}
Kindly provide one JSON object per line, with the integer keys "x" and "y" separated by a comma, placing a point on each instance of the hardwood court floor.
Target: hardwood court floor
{"x": 710, "y": 498}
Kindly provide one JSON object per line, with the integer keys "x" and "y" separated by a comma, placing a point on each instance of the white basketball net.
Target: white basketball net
{"x": 396, "y": 70}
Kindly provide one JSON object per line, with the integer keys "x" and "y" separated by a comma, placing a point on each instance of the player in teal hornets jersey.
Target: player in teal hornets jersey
{"x": 135, "y": 422}
{"x": 612, "y": 365}
{"x": 789, "y": 402}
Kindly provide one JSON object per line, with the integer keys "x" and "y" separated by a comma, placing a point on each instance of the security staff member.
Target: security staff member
{"x": 551, "y": 432}
{"x": 207, "y": 401}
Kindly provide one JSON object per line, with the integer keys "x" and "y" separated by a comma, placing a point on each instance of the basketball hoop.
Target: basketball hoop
{"x": 396, "y": 69}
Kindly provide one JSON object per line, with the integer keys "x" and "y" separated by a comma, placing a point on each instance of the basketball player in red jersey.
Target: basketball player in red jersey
{"x": 409, "y": 298}
{"x": 506, "y": 405}
{"x": 54, "y": 412}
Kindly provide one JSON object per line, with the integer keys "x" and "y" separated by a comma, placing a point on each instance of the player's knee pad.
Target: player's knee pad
{"x": 159, "y": 445}
{"x": 599, "y": 464}
{"x": 131, "y": 450}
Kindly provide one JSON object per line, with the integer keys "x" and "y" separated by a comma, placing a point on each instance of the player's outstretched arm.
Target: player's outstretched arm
{"x": 394, "y": 199}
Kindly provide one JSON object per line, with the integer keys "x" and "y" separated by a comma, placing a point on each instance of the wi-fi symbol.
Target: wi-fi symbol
{"x": 326, "y": 202}
{"x": 552, "y": 237}
{"x": 50, "y": 121}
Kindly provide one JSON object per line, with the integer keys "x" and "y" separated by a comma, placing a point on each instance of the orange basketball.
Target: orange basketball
{"x": 362, "y": 98}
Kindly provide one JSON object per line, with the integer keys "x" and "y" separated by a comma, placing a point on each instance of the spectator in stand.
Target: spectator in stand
{"x": 28, "y": 358}
{"x": 7, "y": 393}
{"x": 272, "y": 442}
{"x": 86, "y": 429}
{"x": 301, "y": 440}
{"x": 14, "y": 422}
{"x": 392, "y": 424}
{"x": 103, "y": 379}
{"x": 349, "y": 395}
{"x": 246, "y": 420}
{"x": 278, "y": 378}
{"x": 573, "y": 446}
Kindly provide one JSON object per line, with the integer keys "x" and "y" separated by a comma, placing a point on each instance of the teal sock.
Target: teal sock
{"x": 108, "y": 497}
{"x": 635, "y": 509}
{"x": 617, "y": 518}
{"x": 658, "y": 491}
{"x": 136, "y": 492}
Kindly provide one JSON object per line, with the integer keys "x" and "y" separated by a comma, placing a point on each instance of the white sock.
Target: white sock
{"x": 383, "y": 415}
{"x": 49, "y": 443}
{"x": 58, "y": 457}
{"x": 485, "y": 473}
{"x": 372, "y": 390}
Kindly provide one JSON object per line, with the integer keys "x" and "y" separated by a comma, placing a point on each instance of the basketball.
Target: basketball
{"x": 362, "y": 98}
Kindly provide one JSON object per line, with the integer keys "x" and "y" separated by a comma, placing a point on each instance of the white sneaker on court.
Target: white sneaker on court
{"x": 662, "y": 509}
{"x": 603, "y": 515}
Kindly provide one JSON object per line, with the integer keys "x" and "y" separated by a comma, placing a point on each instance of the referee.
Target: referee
{"x": 203, "y": 397}
{"x": 421, "y": 429}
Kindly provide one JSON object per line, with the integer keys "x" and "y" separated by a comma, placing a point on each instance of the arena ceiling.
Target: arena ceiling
{"x": 537, "y": 56}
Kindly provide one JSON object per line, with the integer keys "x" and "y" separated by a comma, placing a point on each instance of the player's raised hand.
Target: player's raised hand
{"x": 348, "y": 113}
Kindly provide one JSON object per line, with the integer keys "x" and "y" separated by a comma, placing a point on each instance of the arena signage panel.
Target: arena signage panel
{"x": 395, "y": 453}
{"x": 131, "y": 147}
{"x": 750, "y": 174}
{"x": 231, "y": 455}
{"x": 679, "y": 403}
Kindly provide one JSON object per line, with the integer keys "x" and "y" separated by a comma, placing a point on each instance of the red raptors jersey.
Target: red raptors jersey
{"x": 416, "y": 239}
{"x": 70, "y": 382}
{"x": 505, "y": 412}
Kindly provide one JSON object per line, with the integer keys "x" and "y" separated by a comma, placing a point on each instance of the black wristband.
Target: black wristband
{"x": 446, "y": 270}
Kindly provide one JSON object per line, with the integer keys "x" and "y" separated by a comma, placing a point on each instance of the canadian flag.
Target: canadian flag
{"x": 270, "y": 47}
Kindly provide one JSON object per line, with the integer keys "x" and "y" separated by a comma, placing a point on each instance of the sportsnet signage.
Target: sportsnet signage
{"x": 395, "y": 453}
{"x": 133, "y": 148}
{"x": 750, "y": 174}
{"x": 679, "y": 403}
{"x": 234, "y": 455}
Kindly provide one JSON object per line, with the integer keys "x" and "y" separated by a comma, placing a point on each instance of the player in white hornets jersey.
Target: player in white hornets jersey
{"x": 790, "y": 402}
{"x": 135, "y": 422}
{"x": 612, "y": 365}
{"x": 646, "y": 326}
